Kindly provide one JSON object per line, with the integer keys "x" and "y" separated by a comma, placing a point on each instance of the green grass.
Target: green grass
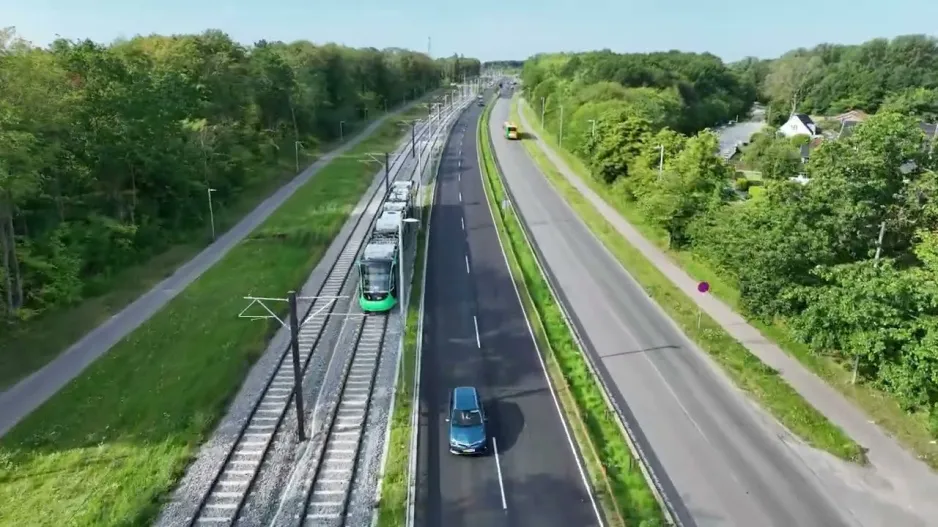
{"x": 747, "y": 371}
{"x": 392, "y": 510}
{"x": 108, "y": 447}
{"x": 617, "y": 481}
{"x": 49, "y": 335}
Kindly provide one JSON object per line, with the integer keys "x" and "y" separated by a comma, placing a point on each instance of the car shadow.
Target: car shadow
{"x": 506, "y": 422}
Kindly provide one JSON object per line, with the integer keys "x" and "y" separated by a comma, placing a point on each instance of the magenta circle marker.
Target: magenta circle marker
{"x": 703, "y": 287}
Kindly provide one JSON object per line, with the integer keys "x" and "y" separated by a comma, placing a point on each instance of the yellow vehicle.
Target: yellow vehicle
{"x": 511, "y": 130}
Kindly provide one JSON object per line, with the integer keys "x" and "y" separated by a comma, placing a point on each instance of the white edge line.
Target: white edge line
{"x": 498, "y": 468}
{"x": 527, "y": 321}
{"x": 475, "y": 322}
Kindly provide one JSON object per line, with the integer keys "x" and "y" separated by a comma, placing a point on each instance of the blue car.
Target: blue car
{"x": 467, "y": 433}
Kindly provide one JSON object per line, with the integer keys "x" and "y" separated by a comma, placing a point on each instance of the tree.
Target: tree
{"x": 696, "y": 182}
{"x": 106, "y": 150}
{"x": 789, "y": 78}
{"x": 620, "y": 138}
{"x": 916, "y": 102}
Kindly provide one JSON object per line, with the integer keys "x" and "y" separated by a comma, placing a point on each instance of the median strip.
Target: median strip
{"x": 110, "y": 445}
{"x": 745, "y": 369}
{"x": 616, "y": 480}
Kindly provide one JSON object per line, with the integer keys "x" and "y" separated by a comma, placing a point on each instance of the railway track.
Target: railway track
{"x": 328, "y": 494}
{"x": 222, "y": 504}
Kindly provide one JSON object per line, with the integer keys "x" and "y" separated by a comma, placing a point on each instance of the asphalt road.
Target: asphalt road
{"x": 720, "y": 457}
{"x": 468, "y": 284}
{"x": 22, "y": 398}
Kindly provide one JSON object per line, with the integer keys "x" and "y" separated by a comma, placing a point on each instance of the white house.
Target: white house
{"x": 799, "y": 124}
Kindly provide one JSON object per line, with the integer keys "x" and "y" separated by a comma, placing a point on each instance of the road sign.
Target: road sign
{"x": 702, "y": 288}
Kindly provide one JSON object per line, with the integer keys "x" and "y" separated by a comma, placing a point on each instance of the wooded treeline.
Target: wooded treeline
{"x": 107, "y": 151}
{"x": 683, "y": 91}
{"x": 898, "y": 75}
{"x": 802, "y": 255}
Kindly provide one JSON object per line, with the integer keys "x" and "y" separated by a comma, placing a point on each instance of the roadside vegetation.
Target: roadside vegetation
{"x": 107, "y": 153}
{"x": 616, "y": 479}
{"x": 798, "y": 260}
{"x": 109, "y": 447}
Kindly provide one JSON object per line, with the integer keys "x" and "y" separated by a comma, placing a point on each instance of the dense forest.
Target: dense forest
{"x": 898, "y": 75}
{"x": 805, "y": 256}
{"x": 503, "y": 64}
{"x": 107, "y": 151}
{"x": 682, "y": 91}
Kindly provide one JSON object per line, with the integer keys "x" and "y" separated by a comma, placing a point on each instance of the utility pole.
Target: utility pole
{"x": 211, "y": 213}
{"x": 660, "y": 161}
{"x": 879, "y": 247}
{"x": 592, "y": 128}
{"x": 297, "y": 377}
{"x": 543, "y": 105}
{"x": 387, "y": 173}
{"x": 560, "y": 135}
{"x": 413, "y": 138}
{"x": 342, "y": 131}
{"x": 296, "y": 155}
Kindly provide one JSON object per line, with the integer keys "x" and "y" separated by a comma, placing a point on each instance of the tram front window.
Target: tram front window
{"x": 376, "y": 278}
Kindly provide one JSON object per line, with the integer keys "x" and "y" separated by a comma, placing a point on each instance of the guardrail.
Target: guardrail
{"x": 576, "y": 330}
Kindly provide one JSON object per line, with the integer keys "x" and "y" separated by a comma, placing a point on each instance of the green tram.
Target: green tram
{"x": 378, "y": 265}
{"x": 378, "y": 269}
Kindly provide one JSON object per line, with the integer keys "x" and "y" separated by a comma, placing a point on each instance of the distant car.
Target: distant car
{"x": 467, "y": 430}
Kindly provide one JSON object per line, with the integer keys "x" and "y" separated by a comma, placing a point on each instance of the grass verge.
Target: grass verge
{"x": 616, "y": 479}
{"x": 747, "y": 371}
{"x": 392, "y": 510}
{"x": 49, "y": 335}
{"x": 109, "y": 446}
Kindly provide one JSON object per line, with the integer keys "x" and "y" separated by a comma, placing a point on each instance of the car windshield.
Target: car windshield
{"x": 376, "y": 277}
{"x": 469, "y": 418}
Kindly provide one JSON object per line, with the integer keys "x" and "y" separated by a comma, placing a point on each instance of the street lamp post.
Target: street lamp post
{"x": 660, "y": 160}
{"x": 211, "y": 213}
{"x": 560, "y": 135}
{"x": 879, "y": 247}
{"x": 403, "y": 258}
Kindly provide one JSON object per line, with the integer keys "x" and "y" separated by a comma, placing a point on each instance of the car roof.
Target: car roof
{"x": 464, "y": 398}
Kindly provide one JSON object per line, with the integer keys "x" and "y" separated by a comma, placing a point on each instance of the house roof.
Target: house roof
{"x": 852, "y": 115}
{"x": 805, "y": 120}
{"x": 929, "y": 129}
{"x": 847, "y": 128}
{"x": 806, "y": 149}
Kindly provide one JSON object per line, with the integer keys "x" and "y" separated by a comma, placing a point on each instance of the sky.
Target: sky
{"x": 489, "y": 29}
